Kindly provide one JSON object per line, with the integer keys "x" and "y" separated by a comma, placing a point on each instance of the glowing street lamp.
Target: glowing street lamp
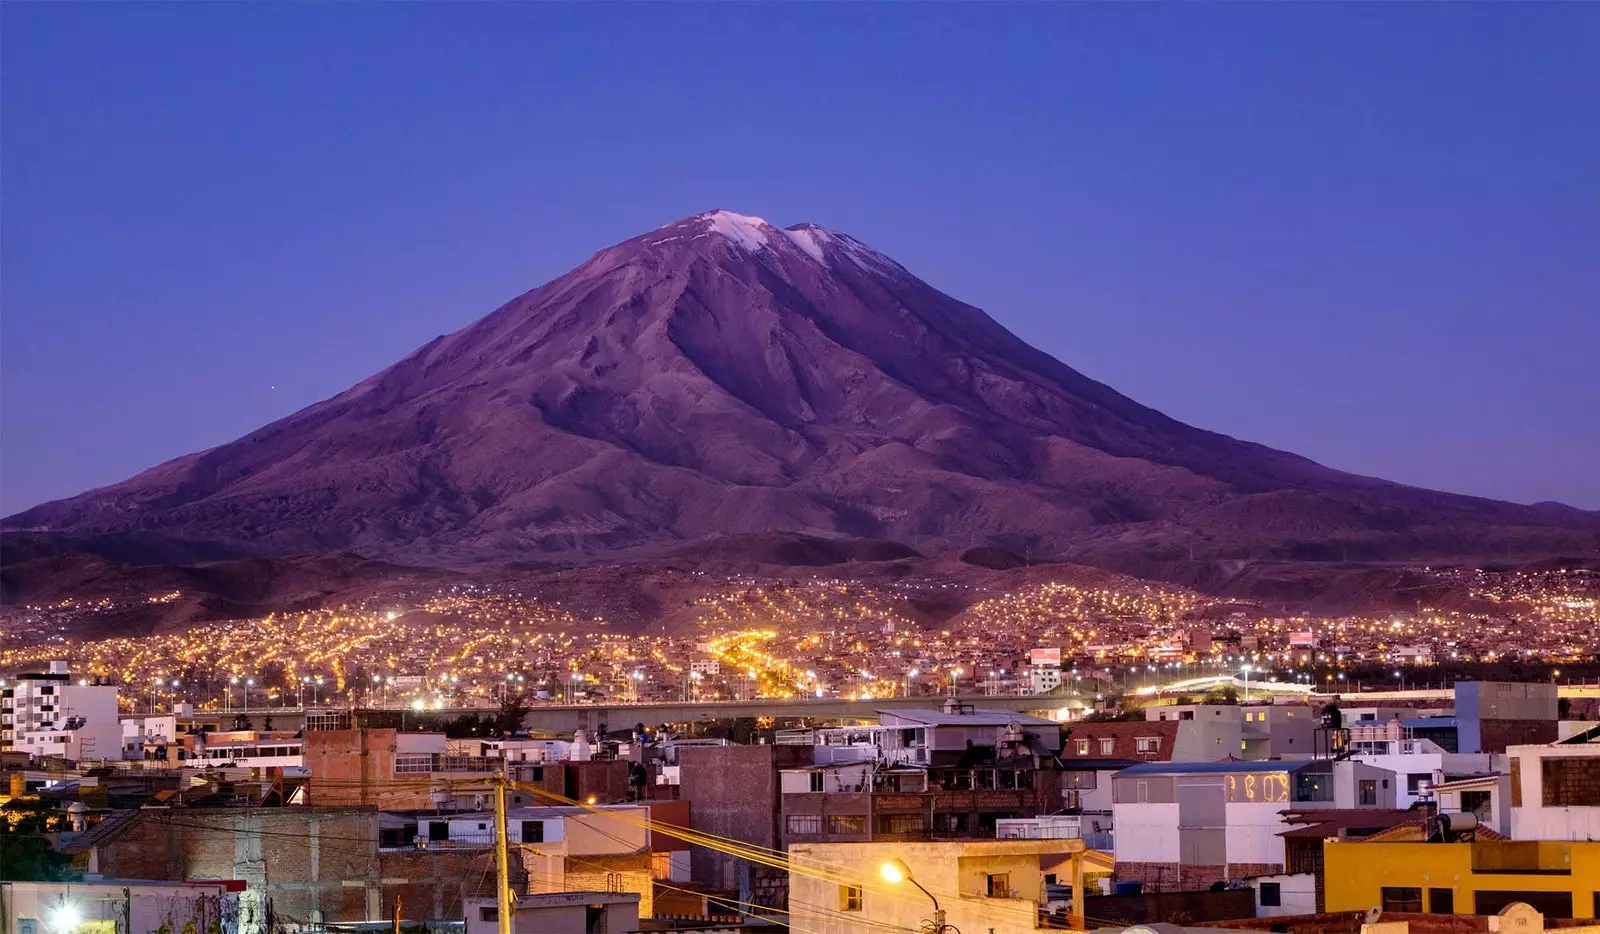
{"x": 894, "y": 872}
{"x": 66, "y": 918}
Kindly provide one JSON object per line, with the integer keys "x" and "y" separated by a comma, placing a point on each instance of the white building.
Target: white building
{"x": 1203, "y": 822}
{"x": 117, "y": 904}
{"x": 707, "y": 667}
{"x": 1418, "y": 764}
{"x": 1487, "y": 797}
{"x": 558, "y": 913}
{"x": 1042, "y": 679}
{"x": 1554, "y": 794}
{"x": 52, "y": 714}
{"x": 249, "y": 749}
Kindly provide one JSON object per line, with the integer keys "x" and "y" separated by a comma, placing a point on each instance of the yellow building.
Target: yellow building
{"x": 1560, "y": 879}
{"x": 979, "y": 885}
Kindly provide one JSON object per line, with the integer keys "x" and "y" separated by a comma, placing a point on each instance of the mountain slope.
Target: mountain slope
{"x": 721, "y": 375}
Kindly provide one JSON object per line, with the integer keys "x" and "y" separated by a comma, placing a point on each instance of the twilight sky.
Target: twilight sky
{"x": 1369, "y": 234}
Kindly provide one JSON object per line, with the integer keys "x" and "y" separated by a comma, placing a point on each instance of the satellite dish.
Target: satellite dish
{"x": 1373, "y": 914}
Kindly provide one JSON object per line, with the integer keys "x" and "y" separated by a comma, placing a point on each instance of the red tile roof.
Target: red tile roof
{"x": 1124, "y": 736}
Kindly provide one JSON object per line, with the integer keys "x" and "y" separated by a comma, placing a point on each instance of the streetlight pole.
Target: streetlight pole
{"x": 895, "y": 871}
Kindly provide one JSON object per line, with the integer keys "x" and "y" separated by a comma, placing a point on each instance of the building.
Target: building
{"x": 1309, "y": 832}
{"x": 297, "y": 865}
{"x": 1200, "y": 733}
{"x": 997, "y": 886}
{"x": 1493, "y": 715}
{"x": 1189, "y": 825}
{"x": 1151, "y": 741}
{"x": 562, "y": 849}
{"x": 926, "y": 774}
{"x": 1419, "y": 764}
{"x": 1485, "y": 797}
{"x": 1559, "y": 878}
{"x": 246, "y": 749}
{"x": 50, "y": 714}
{"x": 390, "y": 769}
{"x": 1273, "y": 731}
{"x": 118, "y": 904}
{"x": 1042, "y": 679}
{"x": 733, "y": 791}
{"x": 1555, "y": 792}
{"x": 559, "y": 913}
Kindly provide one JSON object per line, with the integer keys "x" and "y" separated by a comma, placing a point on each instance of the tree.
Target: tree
{"x": 513, "y": 711}
{"x": 25, "y": 852}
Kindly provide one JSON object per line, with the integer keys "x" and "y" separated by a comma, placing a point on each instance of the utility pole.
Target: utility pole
{"x": 397, "y": 914}
{"x": 502, "y": 855}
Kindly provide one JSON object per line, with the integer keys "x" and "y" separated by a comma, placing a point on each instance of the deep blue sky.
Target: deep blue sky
{"x": 1366, "y": 233}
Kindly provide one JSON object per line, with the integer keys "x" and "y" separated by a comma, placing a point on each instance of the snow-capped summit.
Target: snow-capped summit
{"x": 755, "y": 235}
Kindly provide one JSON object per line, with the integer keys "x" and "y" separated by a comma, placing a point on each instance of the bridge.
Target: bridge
{"x": 1257, "y": 690}
{"x": 565, "y": 718}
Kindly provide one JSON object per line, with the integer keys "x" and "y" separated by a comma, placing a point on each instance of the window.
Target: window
{"x": 438, "y": 830}
{"x": 1367, "y": 795}
{"x": 1476, "y": 802}
{"x": 1106, "y": 746}
{"x": 533, "y": 831}
{"x": 999, "y": 885}
{"x": 849, "y": 898}
{"x": 489, "y": 913}
{"x": 1083, "y": 747}
{"x": 816, "y": 781}
{"x": 1549, "y": 904}
{"x": 805, "y": 824}
{"x": 988, "y": 822}
{"x": 1147, "y": 744}
{"x": 900, "y": 823}
{"x": 1271, "y": 894}
{"x": 1442, "y": 901}
{"x": 1397, "y": 898}
{"x": 1569, "y": 781}
{"x": 847, "y": 823}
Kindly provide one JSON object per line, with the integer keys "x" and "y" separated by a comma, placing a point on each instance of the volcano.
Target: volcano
{"x": 723, "y": 376}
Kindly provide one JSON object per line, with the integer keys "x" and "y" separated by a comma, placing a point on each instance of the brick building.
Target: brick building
{"x": 733, "y": 792}
{"x": 299, "y": 865}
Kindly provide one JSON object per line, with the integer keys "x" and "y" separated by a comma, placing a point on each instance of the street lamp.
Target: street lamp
{"x": 894, "y": 872}
{"x": 66, "y": 918}
{"x": 1246, "y": 670}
